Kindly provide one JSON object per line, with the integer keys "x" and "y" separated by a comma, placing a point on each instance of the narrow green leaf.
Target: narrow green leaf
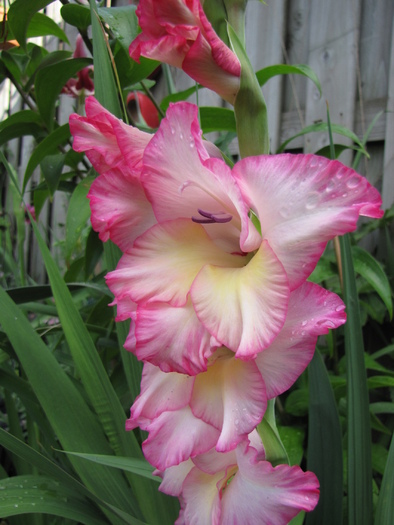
{"x": 275, "y": 451}
{"x": 48, "y": 467}
{"x": 324, "y": 446}
{"x": 38, "y": 62}
{"x": 76, "y": 15}
{"x": 122, "y": 21}
{"x": 383, "y": 407}
{"x": 48, "y": 146}
{"x": 323, "y": 126}
{"x": 104, "y": 81}
{"x": 20, "y": 15}
{"x": 49, "y": 82}
{"x": 385, "y": 507}
{"x": 26, "y": 294}
{"x": 19, "y": 124}
{"x": 369, "y": 268}
{"x": 78, "y": 214}
{"x": 51, "y": 169}
{"x": 42, "y": 25}
{"x": 217, "y": 119}
{"x": 73, "y": 432}
{"x": 293, "y": 442}
{"x": 249, "y": 107}
{"x": 183, "y": 95}
{"x": 263, "y": 75}
{"x": 380, "y": 382}
{"x": 359, "y": 432}
{"x": 38, "y": 494}
{"x": 137, "y": 466}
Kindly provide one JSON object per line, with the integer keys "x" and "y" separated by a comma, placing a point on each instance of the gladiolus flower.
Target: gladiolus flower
{"x": 178, "y": 33}
{"x": 239, "y": 488}
{"x": 84, "y": 82}
{"x": 188, "y": 415}
{"x": 192, "y": 255}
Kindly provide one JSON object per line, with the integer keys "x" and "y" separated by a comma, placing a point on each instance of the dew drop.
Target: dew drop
{"x": 181, "y": 135}
{"x": 16, "y": 505}
{"x": 330, "y": 186}
{"x": 344, "y": 194}
{"x": 303, "y": 332}
{"x": 339, "y": 308}
{"x": 312, "y": 201}
{"x": 172, "y": 131}
{"x": 191, "y": 144}
{"x": 353, "y": 182}
{"x": 303, "y": 323}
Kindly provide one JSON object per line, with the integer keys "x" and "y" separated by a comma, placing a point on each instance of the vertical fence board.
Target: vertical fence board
{"x": 334, "y": 28}
{"x": 388, "y": 178}
{"x": 264, "y": 42}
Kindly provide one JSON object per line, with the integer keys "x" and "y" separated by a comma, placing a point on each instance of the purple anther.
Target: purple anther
{"x": 211, "y": 218}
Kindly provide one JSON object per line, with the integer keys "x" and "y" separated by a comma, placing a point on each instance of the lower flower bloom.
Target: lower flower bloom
{"x": 189, "y": 415}
{"x": 239, "y": 488}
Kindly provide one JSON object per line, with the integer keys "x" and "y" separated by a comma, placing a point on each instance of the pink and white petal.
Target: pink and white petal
{"x": 260, "y": 493}
{"x": 243, "y": 308}
{"x": 312, "y": 312}
{"x": 177, "y": 436}
{"x": 95, "y": 135}
{"x": 201, "y": 498}
{"x": 231, "y": 397}
{"x": 120, "y": 209}
{"x": 174, "y": 477}
{"x": 173, "y": 338}
{"x": 164, "y": 262}
{"x": 180, "y": 184}
{"x": 214, "y": 462}
{"x": 160, "y": 392}
{"x": 303, "y": 201}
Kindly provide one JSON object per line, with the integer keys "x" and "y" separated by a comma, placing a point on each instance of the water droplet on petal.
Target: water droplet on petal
{"x": 330, "y": 186}
{"x": 303, "y": 323}
{"x": 353, "y": 182}
{"x": 312, "y": 200}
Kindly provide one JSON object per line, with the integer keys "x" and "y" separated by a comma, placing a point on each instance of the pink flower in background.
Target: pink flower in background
{"x": 178, "y": 33}
{"x": 188, "y": 415}
{"x": 239, "y": 488}
{"x": 146, "y": 107}
{"x": 192, "y": 256}
{"x": 84, "y": 83}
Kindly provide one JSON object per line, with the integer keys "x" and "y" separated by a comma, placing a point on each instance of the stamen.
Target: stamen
{"x": 212, "y": 218}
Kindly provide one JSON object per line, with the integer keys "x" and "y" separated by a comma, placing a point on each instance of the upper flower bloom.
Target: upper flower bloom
{"x": 239, "y": 488}
{"x": 178, "y": 33}
{"x": 192, "y": 255}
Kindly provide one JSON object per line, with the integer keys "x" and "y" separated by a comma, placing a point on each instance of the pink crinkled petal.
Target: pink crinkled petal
{"x": 188, "y": 180}
{"x": 120, "y": 209}
{"x": 231, "y": 397}
{"x": 173, "y": 338}
{"x": 96, "y": 135}
{"x": 244, "y": 308}
{"x": 312, "y": 312}
{"x": 303, "y": 201}
{"x": 164, "y": 261}
{"x": 260, "y": 493}
{"x": 177, "y": 436}
{"x": 160, "y": 392}
{"x": 174, "y": 477}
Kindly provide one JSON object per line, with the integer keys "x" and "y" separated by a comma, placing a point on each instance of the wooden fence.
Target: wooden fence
{"x": 349, "y": 44}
